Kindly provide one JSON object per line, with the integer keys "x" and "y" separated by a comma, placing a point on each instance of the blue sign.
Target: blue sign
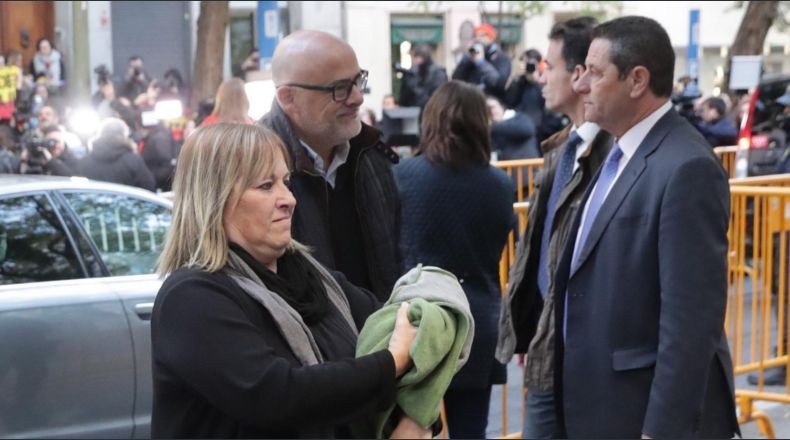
{"x": 693, "y": 47}
{"x": 268, "y": 31}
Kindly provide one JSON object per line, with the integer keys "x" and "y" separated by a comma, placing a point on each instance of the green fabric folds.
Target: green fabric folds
{"x": 439, "y": 309}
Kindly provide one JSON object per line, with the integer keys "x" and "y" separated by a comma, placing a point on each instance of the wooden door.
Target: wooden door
{"x": 22, "y": 24}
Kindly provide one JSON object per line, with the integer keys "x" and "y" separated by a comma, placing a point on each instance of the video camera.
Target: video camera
{"x": 35, "y": 145}
{"x": 35, "y": 157}
{"x": 684, "y": 102}
{"x": 532, "y": 65}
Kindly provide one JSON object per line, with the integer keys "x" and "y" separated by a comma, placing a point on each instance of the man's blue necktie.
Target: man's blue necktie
{"x": 608, "y": 173}
{"x": 562, "y": 176}
{"x": 605, "y": 180}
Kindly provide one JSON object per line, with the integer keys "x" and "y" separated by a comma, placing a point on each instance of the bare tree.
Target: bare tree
{"x": 758, "y": 19}
{"x": 210, "y": 51}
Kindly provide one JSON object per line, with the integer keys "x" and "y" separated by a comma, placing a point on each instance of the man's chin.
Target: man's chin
{"x": 352, "y": 128}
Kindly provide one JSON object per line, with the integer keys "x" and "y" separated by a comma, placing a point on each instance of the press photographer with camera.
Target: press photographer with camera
{"x": 686, "y": 95}
{"x": 48, "y": 154}
{"x": 137, "y": 81}
{"x": 484, "y": 63}
{"x": 524, "y": 95}
{"x": 102, "y": 99}
{"x": 424, "y": 77}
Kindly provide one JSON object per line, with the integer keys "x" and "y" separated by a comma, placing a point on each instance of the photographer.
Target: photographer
{"x": 524, "y": 94}
{"x": 106, "y": 94}
{"x": 714, "y": 125}
{"x": 424, "y": 77}
{"x": 137, "y": 81}
{"x": 48, "y": 155}
{"x": 485, "y": 64}
{"x": 684, "y": 99}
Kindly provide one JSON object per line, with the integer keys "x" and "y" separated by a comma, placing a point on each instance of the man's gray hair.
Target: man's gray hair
{"x": 113, "y": 128}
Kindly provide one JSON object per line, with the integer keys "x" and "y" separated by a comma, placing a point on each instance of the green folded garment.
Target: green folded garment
{"x": 439, "y": 309}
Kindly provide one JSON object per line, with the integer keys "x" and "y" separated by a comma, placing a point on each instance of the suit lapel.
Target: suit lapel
{"x": 622, "y": 186}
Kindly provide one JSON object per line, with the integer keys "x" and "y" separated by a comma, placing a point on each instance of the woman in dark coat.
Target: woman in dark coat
{"x": 457, "y": 212}
{"x": 250, "y": 336}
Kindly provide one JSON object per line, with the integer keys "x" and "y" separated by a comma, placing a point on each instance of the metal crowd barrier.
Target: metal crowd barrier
{"x": 523, "y": 172}
{"x": 727, "y": 156}
{"x": 757, "y": 306}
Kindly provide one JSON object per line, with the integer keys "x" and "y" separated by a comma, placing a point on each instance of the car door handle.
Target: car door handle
{"x": 143, "y": 310}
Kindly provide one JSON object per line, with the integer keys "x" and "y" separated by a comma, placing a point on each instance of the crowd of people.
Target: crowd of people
{"x": 291, "y": 234}
{"x": 125, "y": 144}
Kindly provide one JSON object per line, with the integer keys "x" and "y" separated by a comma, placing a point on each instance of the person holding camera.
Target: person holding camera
{"x": 136, "y": 88}
{"x": 48, "y": 155}
{"x": 524, "y": 94}
{"x": 424, "y": 77}
{"x": 485, "y": 64}
{"x": 103, "y": 97}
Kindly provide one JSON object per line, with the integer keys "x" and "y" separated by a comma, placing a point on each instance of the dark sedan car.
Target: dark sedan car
{"x": 77, "y": 285}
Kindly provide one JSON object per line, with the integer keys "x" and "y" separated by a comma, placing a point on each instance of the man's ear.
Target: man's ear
{"x": 577, "y": 73}
{"x": 285, "y": 97}
{"x": 640, "y": 81}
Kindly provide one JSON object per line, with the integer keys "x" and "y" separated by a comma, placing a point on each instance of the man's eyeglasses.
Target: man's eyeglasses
{"x": 340, "y": 90}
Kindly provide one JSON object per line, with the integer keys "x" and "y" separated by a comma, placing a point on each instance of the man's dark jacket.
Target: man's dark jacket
{"x": 527, "y": 319}
{"x": 375, "y": 200}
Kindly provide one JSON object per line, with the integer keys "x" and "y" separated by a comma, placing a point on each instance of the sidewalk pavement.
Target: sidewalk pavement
{"x": 779, "y": 413}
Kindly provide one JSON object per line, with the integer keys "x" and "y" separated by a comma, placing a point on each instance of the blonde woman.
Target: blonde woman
{"x": 251, "y": 337}
{"x": 230, "y": 104}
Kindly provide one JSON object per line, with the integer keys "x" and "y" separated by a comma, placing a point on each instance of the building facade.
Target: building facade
{"x": 165, "y": 33}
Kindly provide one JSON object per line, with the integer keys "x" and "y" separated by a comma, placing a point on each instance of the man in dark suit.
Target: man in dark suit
{"x": 571, "y": 158}
{"x": 642, "y": 284}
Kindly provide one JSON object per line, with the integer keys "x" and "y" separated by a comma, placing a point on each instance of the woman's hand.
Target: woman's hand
{"x": 402, "y": 337}
{"x": 408, "y": 428}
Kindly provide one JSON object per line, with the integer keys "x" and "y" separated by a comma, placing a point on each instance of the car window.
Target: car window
{"x": 127, "y": 231}
{"x": 33, "y": 244}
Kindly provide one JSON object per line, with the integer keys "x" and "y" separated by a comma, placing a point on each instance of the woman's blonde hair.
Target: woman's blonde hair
{"x": 231, "y": 103}
{"x": 216, "y": 164}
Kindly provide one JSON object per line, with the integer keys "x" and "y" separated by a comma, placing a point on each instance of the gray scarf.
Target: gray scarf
{"x": 288, "y": 321}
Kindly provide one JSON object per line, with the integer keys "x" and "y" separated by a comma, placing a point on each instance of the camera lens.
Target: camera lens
{"x": 475, "y": 49}
{"x": 531, "y": 66}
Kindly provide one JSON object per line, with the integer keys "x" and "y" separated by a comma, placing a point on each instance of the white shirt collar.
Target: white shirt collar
{"x": 339, "y": 158}
{"x": 632, "y": 138}
{"x": 588, "y": 131}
